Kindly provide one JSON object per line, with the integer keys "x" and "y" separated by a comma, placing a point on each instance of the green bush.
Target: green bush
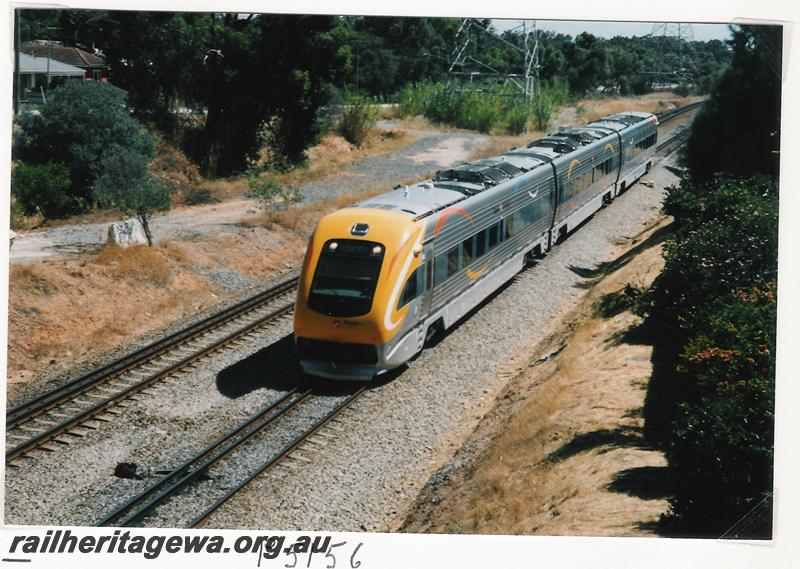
{"x": 43, "y": 187}
{"x": 543, "y": 109}
{"x": 357, "y": 120}
{"x": 716, "y": 302}
{"x": 126, "y": 185}
{"x": 483, "y": 112}
{"x": 726, "y": 238}
{"x": 270, "y": 192}
{"x": 82, "y": 122}
{"x": 517, "y": 119}
{"x": 722, "y": 451}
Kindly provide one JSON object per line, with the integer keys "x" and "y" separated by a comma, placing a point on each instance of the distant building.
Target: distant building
{"x": 94, "y": 65}
{"x": 37, "y": 74}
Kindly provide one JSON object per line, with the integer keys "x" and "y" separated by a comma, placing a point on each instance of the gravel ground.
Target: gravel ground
{"x": 369, "y": 465}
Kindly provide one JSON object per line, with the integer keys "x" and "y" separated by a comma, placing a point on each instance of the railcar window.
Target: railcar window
{"x": 412, "y": 289}
{"x": 603, "y": 169}
{"x": 440, "y": 269}
{"x": 466, "y": 251}
{"x": 580, "y": 182}
{"x": 480, "y": 244}
{"x": 530, "y": 214}
{"x": 452, "y": 261}
{"x": 346, "y": 277}
{"x": 494, "y": 235}
{"x": 509, "y": 222}
{"x": 646, "y": 142}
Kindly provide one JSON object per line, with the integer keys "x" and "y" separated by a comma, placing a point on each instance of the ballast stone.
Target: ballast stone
{"x": 126, "y": 233}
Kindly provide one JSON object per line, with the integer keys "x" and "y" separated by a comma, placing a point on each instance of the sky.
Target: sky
{"x": 700, "y": 32}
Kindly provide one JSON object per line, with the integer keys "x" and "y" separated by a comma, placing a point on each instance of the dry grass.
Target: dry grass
{"x": 559, "y": 435}
{"x": 653, "y": 103}
{"x": 387, "y": 112}
{"x": 303, "y": 217}
{"x": 147, "y": 265}
{"x": 502, "y": 143}
{"x": 173, "y": 169}
{"x": 62, "y": 311}
{"x": 334, "y": 153}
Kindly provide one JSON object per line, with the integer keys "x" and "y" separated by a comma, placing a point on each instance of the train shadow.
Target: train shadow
{"x": 277, "y": 367}
{"x": 273, "y": 367}
{"x": 593, "y": 275}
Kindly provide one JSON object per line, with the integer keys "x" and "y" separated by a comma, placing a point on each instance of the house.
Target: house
{"x": 94, "y": 66}
{"x": 36, "y": 74}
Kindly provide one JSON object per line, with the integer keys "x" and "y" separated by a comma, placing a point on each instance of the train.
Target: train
{"x": 384, "y": 277}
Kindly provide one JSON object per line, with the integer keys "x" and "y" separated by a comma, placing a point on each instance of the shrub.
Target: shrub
{"x": 715, "y": 301}
{"x": 517, "y": 119}
{"x": 82, "y": 122}
{"x": 726, "y": 238}
{"x": 43, "y": 187}
{"x": 543, "y": 109}
{"x": 125, "y": 185}
{"x": 270, "y": 192}
{"x": 721, "y": 454}
{"x": 441, "y": 104}
{"x": 357, "y": 120}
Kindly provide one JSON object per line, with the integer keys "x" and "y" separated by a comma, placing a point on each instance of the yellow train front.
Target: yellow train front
{"x": 355, "y": 296}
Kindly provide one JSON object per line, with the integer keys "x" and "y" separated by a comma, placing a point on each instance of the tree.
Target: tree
{"x": 264, "y": 74}
{"x": 42, "y": 187}
{"x": 125, "y": 184}
{"x": 82, "y": 122}
{"x": 738, "y": 130}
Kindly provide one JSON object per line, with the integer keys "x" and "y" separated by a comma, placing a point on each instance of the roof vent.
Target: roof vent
{"x": 359, "y": 229}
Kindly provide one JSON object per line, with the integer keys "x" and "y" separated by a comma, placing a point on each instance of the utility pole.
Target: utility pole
{"x": 465, "y": 69}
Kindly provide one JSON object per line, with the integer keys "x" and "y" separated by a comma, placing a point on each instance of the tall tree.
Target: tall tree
{"x": 738, "y": 130}
{"x": 82, "y": 121}
{"x": 264, "y": 75}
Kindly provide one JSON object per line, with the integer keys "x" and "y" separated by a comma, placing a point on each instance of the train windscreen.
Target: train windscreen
{"x": 346, "y": 277}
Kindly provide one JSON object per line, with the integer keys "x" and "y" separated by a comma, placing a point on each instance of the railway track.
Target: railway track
{"x": 176, "y": 499}
{"x": 62, "y": 412}
{"x": 53, "y": 416}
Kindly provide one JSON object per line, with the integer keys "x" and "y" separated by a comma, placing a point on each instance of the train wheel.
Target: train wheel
{"x": 434, "y": 333}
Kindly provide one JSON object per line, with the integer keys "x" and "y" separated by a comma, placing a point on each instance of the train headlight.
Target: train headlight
{"x": 376, "y": 250}
{"x": 333, "y": 246}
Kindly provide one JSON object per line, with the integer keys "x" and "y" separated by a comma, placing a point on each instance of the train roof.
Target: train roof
{"x": 453, "y": 185}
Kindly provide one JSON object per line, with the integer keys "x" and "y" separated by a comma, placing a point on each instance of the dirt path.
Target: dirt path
{"x": 430, "y": 151}
{"x": 563, "y": 452}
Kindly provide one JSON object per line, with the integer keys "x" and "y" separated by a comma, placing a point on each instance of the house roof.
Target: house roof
{"x": 28, "y": 64}
{"x": 69, "y": 55}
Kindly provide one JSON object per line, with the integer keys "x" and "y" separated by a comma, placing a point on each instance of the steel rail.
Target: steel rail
{"x": 666, "y": 116}
{"x": 64, "y": 426}
{"x": 46, "y": 401}
{"x": 277, "y": 458}
{"x": 675, "y": 139}
{"x": 148, "y": 499}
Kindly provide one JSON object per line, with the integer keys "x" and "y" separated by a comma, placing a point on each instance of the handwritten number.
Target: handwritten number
{"x": 330, "y": 554}
{"x": 353, "y": 563}
{"x": 294, "y": 553}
